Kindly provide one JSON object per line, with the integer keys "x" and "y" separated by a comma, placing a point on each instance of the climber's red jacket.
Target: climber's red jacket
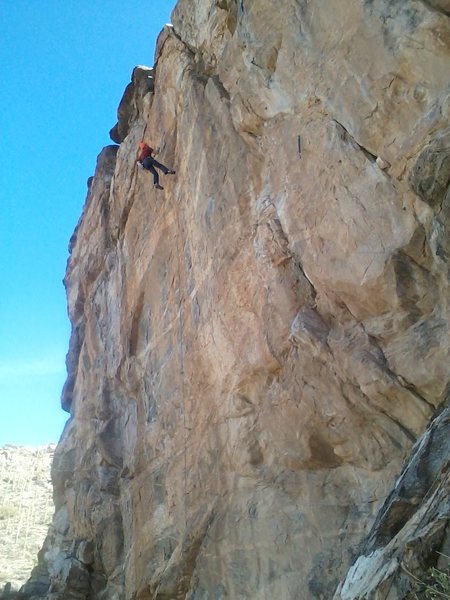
{"x": 145, "y": 151}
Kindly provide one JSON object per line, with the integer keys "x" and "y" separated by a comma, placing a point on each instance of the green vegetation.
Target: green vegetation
{"x": 436, "y": 584}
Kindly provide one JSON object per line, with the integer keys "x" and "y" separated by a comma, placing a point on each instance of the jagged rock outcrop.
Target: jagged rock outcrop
{"x": 26, "y": 510}
{"x": 142, "y": 82}
{"x": 256, "y": 349}
{"x": 411, "y": 526}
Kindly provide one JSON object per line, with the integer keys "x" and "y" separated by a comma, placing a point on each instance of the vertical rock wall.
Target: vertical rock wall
{"x": 256, "y": 349}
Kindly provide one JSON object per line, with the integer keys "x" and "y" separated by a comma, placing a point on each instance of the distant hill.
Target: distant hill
{"x": 26, "y": 509}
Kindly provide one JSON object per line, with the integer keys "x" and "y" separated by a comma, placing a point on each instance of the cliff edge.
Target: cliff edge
{"x": 256, "y": 349}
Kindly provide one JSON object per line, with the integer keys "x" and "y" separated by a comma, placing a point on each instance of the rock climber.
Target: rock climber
{"x": 147, "y": 161}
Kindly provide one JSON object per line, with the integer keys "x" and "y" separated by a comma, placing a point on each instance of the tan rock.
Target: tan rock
{"x": 255, "y": 350}
{"x": 383, "y": 164}
{"x": 410, "y": 528}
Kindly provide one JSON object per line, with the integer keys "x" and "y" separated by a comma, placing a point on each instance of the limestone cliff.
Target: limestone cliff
{"x": 256, "y": 349}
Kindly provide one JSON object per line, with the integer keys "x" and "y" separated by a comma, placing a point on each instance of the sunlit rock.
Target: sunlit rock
{"x": 256, "y": 349}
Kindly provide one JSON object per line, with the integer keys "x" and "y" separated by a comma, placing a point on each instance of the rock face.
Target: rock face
{"x": 412, "y": 524}
{"x": 26, "y": 509}
{"x": 256, "y": 349}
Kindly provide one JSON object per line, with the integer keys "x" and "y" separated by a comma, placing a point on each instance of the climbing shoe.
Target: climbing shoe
{"x": 158, "y": 187}
{"x": 170, "y": 172}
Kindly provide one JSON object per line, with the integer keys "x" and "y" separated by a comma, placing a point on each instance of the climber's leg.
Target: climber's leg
{"x": 148, "y": 163}
{"x": 163, "y": 168}
{"x": 154, "y": 172}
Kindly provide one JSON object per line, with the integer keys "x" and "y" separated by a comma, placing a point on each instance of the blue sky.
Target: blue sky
{"x": 64, "y": 67}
